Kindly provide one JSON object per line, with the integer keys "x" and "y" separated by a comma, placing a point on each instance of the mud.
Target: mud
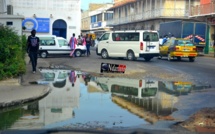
{"x": 202, "y": 121}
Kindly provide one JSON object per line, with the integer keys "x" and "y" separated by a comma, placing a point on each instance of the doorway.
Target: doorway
{"x": 59, "y": 28}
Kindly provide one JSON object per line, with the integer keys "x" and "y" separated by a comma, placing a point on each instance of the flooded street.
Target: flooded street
{"x": 80, "y": 100}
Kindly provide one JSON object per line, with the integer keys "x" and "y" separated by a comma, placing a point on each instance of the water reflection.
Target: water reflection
{"x": 79, "y": 98}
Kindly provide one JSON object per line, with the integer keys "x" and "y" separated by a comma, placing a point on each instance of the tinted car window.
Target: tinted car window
{"x": 183, "y": 42}
{"x": 47, "y": 41}
{"x": 62, "y": 43}
{"x": 150, "y": 36}
{"x": 125, "y": 36}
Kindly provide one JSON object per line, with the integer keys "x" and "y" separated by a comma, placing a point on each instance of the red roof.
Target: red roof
{"x": 122, "y": 3}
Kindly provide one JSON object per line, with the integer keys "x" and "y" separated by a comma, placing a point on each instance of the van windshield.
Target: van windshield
{"x": 150, "y": 36}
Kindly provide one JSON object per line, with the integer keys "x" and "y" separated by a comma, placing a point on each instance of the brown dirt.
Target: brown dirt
{"x": 202, "y": 121}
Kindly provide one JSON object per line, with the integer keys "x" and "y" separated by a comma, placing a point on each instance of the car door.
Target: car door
{"x": 64, "y": 48}
{"x": 164, "y": 48}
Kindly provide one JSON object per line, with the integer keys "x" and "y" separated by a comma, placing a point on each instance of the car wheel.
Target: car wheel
{"x": 78, "y": 53}
{"x": 104, "y": 54}
{"x": 169, "y": 58}
{"x": 191, "y": 59}
{"x": 147, "y": 58}
{"x": 159, "y": 57}
{"x": 130, "y": 55}
{"x": 179, "y": 58}
{"x": 43, "y": 54}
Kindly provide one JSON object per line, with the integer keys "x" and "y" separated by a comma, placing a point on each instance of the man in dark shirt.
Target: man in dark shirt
{"x": 32, "y": 48}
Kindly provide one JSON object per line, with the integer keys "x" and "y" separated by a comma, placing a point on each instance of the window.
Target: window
{"x": 125, "y": 36}
{"x": 99, "y": 17}
{"x": 93, "y": 19}
{"x": 126, "y": 90}
{"x": 183, "y": 42}
{"x": 108, "y": 16}
{"x": 9, "y": 23}
{"x": 47, "y": 41}
{"x": 105, "y": 36}
{"x": 48, "y": 76}
{"x": 63, "y": 43}
{"x": 150, "y": 36}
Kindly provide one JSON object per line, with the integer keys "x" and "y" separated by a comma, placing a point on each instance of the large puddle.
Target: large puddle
{"x": 79, "y": 100}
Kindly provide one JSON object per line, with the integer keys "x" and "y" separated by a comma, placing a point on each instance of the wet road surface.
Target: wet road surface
{"x": 80, "y": 100}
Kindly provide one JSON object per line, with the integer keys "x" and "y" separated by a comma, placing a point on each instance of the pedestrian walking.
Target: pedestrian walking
{"x": 72, "y": 78}
{"x": 32, "y": 49}
{"x": 72, "y": 43}
{"x": 88, "y": 43}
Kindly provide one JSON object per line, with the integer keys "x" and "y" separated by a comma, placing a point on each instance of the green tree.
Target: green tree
{"x": 12, "y": 53}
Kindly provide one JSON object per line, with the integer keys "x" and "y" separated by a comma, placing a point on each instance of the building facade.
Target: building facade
{"x": 205, "y": 11}
{"x": 148, "y": 14}
{"x": 13, "y": 21}
{"x": 60, "y": 18}
{"x": 94, "y": 19}
{"x": 99, "y": 18}
{"x": 85, "y": 22}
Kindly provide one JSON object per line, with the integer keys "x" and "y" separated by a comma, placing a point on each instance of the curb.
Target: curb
{"x": 27, "y": 100}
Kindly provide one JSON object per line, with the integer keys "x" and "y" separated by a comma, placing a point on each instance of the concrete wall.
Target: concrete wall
{"x": 69, "y": 11}
{"x": 147, "y": 14}
{"x": 85, "y": 20}
{"x": 15, "y": 20}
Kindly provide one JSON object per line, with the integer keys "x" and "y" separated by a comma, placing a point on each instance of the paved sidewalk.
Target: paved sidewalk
{"x": 18, "y": 91}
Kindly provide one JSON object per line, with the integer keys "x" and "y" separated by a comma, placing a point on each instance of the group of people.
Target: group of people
{"x": 33, "y": 46}
{"x": 81, "y": 40}
{"x": 165, "y": 39}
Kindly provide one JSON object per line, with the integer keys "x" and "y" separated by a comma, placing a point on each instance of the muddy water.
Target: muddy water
{"x": 79, "y": 100}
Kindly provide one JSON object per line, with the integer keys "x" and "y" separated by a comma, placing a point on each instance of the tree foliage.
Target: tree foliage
{"x": 12, "y": 53}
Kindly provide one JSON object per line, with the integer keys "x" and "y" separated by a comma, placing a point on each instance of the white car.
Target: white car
{"x": 52, "y": 45}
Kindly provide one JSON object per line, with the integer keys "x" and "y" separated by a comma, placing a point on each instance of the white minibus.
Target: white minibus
{"x": 129, "y": 44}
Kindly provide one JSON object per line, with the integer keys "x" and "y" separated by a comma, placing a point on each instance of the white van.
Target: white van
{"x": 129, "y": 44}
{"x": 52, "y": 45}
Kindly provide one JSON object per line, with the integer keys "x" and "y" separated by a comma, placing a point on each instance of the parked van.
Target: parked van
{"x": 52, "y": 45}
{"x": 129, "y": 44}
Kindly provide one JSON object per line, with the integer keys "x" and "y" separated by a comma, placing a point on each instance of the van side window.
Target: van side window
{"x": 47, "y": 41}
{"x": 125, "y": 36}
{"x": 105, "y": 36}
{"x": 63, "y": 43}
{"x": 150, "y": 36}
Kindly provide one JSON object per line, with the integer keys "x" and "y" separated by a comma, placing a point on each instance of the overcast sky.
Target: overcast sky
{"x": 85, "y": 3}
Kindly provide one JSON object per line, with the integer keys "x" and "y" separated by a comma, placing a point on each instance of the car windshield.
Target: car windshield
{"x": 183, "y": 43}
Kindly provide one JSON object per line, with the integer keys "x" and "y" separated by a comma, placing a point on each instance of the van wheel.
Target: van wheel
{"x": 78, "y": 53}
{"x": 104, "y": 54}
{"x": 147, "y": 58}
{"x": 130, "y": 55}
{"x": 191, "y": 59}
{"x": 43, "y": 54}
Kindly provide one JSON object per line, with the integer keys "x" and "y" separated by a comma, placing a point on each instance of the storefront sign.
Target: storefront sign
{"x": 98, "y": 24}
{"x": 41, "y": 25}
